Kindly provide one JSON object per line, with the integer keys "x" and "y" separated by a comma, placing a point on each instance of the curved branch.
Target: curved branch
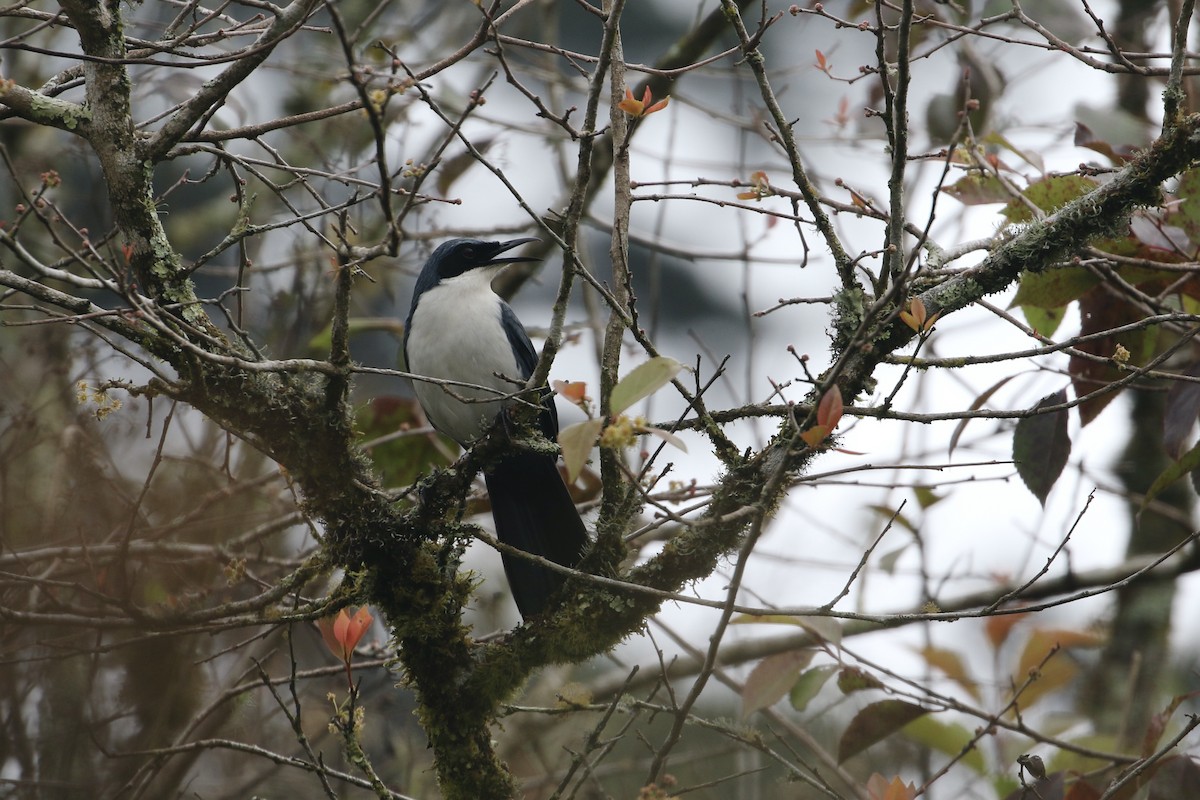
{"x": 215, "y": 90}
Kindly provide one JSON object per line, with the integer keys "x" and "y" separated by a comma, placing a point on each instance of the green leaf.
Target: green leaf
{"x": 809, "y": 684}
{"x": 666, "y": 436}
{"x": 976, "y": 190}
{"x": 400, "y": 458}
{"x": 643, "y": 381}
{"x": 320, "y": 343}
{"x": 852, "y": 679}
{"x": 948, "y": 738}
{"x": 887, "y": 562}
{"x": 1188, "y": 192}
{"x": 1044, "y": 320}
{"x": 577, "y": 442}
{"x": 1189, "y": 462}
{"x": 892, "y": 515}
{"x": 772, "y": 678}
{"x": 1048, "y": 194}
{"x": 1031, "y": 158}
{"x": 927, "y": 497}
{"x": 875, "y": 723}
{"x": 1053, "y": 288}
{"x": 1041, "y": 446}
{"x": 827, "y": 629}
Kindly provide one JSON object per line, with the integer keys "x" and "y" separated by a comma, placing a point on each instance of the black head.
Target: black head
{"x": 457, "y": 256}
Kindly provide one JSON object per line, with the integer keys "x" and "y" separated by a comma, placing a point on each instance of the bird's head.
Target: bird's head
{"x": 458, "y": 256}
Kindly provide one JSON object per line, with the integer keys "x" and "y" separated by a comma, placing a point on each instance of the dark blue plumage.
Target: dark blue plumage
{"x": 459, "y": 330}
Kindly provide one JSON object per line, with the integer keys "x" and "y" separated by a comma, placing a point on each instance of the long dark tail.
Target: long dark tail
{"x": 534, "y": 512}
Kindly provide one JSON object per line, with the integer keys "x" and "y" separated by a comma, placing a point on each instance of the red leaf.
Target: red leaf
{"x": 343, "y": 632}
{"x": 829, "y": 410}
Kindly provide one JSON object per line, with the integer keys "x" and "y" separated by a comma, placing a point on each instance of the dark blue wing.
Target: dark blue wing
{"x": 527, "y": 358}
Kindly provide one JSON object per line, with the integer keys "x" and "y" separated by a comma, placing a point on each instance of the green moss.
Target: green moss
{"x": 849, "y": 309}
{"x": 58, "y": 113}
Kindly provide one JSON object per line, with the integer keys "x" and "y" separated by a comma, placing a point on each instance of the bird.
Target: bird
{"x": 458, "y": 329}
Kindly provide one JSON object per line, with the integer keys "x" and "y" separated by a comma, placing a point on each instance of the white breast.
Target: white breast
{"x": 472, "y": 351}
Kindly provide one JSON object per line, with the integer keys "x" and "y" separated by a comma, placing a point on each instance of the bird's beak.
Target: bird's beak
{"x": 504, "y": 247}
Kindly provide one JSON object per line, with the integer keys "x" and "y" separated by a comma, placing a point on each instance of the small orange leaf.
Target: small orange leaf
{"x": 659, "y": 106}
{"x": 760, "y": 187}
{"x": 575, "y": 391}
{"x": 917, "y": 317}
{"x": 641, "y": 108}
{"x": 630, "y": 105}
{"x": 914, "y": 317}
{"x": 880, "y": 788}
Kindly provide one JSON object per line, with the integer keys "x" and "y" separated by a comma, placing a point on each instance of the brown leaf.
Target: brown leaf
{"x": 1041, "y": 446}
{"x": 1082, "y": 790}
{"x": 976, "y": 404}
{"x": 1177, "y": 777}
{"x": 772, "y": 678}
{"x": 1000, "y": 626}
{"x": 875, "y": 723}
{"x": 1183, "y": 408}
{"x": 951, "y": 663}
